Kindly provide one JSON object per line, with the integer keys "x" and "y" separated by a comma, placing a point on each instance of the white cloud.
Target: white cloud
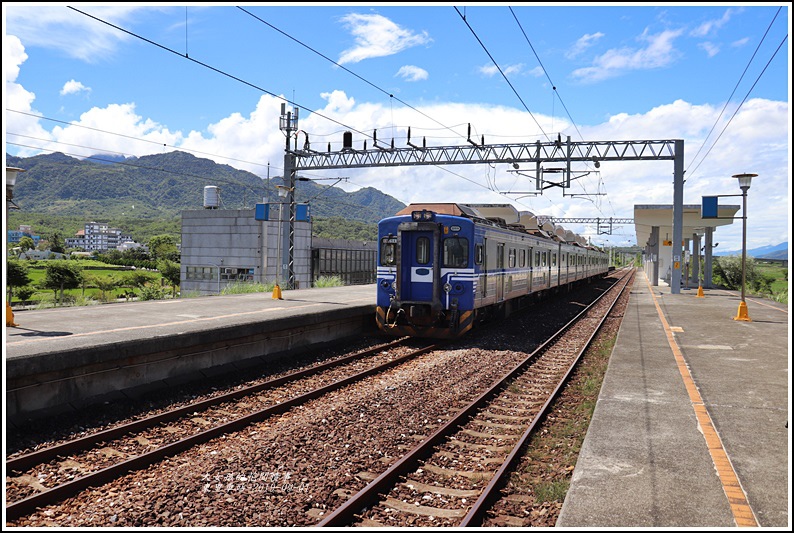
{"x": 412, "y": 73}
{"x": 658, "y": 53}
{"x": 509, "y": 70}
{"x": 55, "y": 27}
{"x": 710, "y": 48}
{"x": 377, "y": 36}
{"x": 582, "y": 44}
{"x": 710, "y": 27}
{"x": 74, "y": 87}
{"x": 18, "y": 120}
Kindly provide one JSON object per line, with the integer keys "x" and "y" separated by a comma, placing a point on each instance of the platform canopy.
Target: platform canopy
{"x": 661, "y": 215}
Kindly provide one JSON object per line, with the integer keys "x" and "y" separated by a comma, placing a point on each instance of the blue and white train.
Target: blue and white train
{"x": 444, "y": 267}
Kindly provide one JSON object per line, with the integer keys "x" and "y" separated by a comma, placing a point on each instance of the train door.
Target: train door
{"x": 500, "y": 276}
{"x": 417, "y": 266}
{"x": 483, "y": 279}
{"x": 530, "y": 270}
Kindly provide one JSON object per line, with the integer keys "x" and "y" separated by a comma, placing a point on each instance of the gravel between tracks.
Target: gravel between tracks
{"x": 292, "y": 469}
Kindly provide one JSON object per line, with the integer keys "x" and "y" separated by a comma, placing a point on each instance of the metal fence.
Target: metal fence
{"x": 352, "y": 266}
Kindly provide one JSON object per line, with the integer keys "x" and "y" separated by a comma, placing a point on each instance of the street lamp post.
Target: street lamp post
{"x": 744, "y": 185}
{"x": 700, "y": 232}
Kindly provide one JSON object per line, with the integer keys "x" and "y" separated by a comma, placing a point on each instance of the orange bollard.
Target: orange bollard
{"x": 277, "y": 293}
{"x": 10, "y": 316}
{"x": 741, "y": 314}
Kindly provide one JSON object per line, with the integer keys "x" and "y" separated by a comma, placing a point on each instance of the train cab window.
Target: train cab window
{"x": 511, "y": 258}
{"x": 422, "y": 251}
{"x": 388, "y": 251}
{"x": 478, "y": 256}
{"x": 456, "y": 252}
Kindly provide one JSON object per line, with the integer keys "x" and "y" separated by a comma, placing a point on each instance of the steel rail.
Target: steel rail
{"x": 367, "y": 496}
{"x": 477, "y": 512}
{"x": 27, "y": 505}
{"x": 24, "y": 462}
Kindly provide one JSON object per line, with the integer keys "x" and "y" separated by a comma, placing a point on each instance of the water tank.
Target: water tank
{"x": 212, "y": 198}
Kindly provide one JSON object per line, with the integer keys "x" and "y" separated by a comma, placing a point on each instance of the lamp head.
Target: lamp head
{"x": 744, "y": 180}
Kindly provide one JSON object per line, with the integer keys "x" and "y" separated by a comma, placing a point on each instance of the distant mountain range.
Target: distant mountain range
{"x": 163, "y": 185}
{"x": 779, "y": 251}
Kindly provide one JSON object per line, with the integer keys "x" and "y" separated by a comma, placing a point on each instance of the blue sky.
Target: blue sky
{"x": 78, "y": 85}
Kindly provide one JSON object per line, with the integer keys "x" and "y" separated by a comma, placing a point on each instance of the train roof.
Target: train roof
{"x": 504, "y": 215}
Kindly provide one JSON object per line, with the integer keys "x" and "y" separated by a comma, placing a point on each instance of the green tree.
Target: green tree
{"x": 24, "y": 293}
{"x": 728, "y": 271}
{"x": 17, "y": 275}
{"x": 105, "y": 284}
{"x": 26, "y": 243}
{"x": 137, "y": 279}
{"x": 171, "y": 273}
{"x": 163, "y": 247}
{"x": 57, "y": 244}
{"x": 61, "y": 275}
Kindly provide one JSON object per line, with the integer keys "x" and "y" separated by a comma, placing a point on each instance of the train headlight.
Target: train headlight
{"x": 394, "y": 285}
{"x": 423, "y": 215}
{"x": 447, "y": 287}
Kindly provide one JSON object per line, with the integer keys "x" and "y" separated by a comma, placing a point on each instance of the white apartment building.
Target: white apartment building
{"x": 98, "y": 237}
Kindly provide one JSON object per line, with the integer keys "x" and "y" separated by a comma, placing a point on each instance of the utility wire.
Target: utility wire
{"x": 731, "y": 96}
{"x": 742, "y": 102}
{"x": 235, "y": 78}
{"x": 126, "y": 163}
{"x": 134, "y": 138}
{"x": 205, "y": 65}
{"x": 463, "y": 17}
{"x": 390, "y": 95}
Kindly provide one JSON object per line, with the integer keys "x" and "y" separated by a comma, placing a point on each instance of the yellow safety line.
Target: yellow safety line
{"x": 742, "y": 512}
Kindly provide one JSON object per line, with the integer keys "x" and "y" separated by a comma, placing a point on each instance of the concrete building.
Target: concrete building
{"x": 653, "y": 226}
{"x": 222, "y": 246}
{"x": 97, "y": 237}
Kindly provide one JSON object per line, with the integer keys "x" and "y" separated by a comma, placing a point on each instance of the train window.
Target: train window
{"x": 478, "y": 254}
{"x": 522, "y": 258}
{"x": 511, "y": 258}
{"x": 388, "y": 252}
{"x": 543, "y": 258}
{"x": 422, "y": 251}
{"x": 456, "y": 252}
{"x": 537, "y": 259}
{"x": 554, "y": 260}
{"x": 500, "y": 255}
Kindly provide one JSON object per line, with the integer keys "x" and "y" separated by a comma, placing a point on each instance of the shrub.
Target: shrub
{"x": 328, "y": 281}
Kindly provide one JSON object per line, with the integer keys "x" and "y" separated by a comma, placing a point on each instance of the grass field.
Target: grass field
{"x": 47, "y": 297}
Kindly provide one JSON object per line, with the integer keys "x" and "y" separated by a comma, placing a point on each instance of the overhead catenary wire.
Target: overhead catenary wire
{"x": 239, "y": 79}
{"x": 724, "y": 107}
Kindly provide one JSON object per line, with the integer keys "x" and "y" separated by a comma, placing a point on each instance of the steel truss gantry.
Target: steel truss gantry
{"x": 603, "y": 225}
{"x": 559, "y": 151}
{"x": 538, "y": 152}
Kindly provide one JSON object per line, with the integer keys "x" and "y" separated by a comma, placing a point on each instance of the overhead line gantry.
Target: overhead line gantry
{"x": 558, "y": 151}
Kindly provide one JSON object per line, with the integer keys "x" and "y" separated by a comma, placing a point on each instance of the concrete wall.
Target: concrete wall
{"x": 226, "y": 239}
{"x": 70, "y": 380}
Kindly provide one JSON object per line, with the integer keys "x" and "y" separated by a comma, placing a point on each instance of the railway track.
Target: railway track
{"x": 454, "y": 475}
{"x": 51, "y": 474}
{"x": 340, "y": 440}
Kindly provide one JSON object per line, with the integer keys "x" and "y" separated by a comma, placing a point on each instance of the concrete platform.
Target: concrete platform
{"x": 690, "y": 429}
{"x": 65, "y": 357}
